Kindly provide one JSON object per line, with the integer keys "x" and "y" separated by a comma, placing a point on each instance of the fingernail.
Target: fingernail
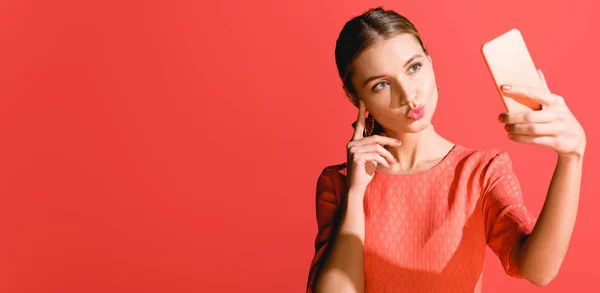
{"x": 398, "y": 142}
{"x": 506, "y": 87}
{"x": 501, "y": 117}
{"x": 506, "y": 127}
{"x": 510, "y": 135}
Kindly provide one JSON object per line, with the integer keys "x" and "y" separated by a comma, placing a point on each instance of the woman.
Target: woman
{"x": 414, "y": 212}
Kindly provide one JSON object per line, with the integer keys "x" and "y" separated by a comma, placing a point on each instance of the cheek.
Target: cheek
{"x": 429, "y": 87}
{"x": 431, "y": 94}
{"x": 430, "y": 79}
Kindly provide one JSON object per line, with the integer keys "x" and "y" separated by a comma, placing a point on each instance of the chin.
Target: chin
{"x": 418, "y": 126}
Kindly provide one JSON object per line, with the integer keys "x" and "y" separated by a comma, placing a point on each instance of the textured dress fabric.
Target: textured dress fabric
{"x": 428, "y": 231}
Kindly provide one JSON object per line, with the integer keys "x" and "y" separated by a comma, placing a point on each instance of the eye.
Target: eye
{"x": 379, "y": 86}
{"x": 415, "y": 67}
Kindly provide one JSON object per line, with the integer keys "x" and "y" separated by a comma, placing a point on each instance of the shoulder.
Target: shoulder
{"x": 334, "y": 174}
{"x": 485, "y": 158}
{"x": 486, "y": 166}
{"x": 331, "y": 183}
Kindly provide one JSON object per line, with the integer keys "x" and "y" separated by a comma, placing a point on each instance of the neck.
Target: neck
{"x": 417, "y": 150}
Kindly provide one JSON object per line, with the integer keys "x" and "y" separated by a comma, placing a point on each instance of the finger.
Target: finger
{"x": 548, "y": 141}
{"x": 541, "y": 116}
{"x": 538, "y": 95}
{"x": 543, "y": 78}
{"x": 374, "y": 148}
{"x": 536, "y": 129}
{"x": 360, "y": 121}
{"x": 363, "y": 158}
{"x": 383, "y": 140}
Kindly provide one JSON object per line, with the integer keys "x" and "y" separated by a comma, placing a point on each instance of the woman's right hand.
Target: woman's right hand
{"x": 365, "y": 153}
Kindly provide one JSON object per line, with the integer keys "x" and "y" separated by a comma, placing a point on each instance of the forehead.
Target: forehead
{"x": 386, "y": 55}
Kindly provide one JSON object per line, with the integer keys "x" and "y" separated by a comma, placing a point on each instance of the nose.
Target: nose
{"x": 408, "y": 96}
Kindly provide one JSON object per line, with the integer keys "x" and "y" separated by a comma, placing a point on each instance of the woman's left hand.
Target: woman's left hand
{"x": 553, "y": 126}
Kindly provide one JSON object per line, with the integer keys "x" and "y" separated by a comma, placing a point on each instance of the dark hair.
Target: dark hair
{"x": 365, "y": 30}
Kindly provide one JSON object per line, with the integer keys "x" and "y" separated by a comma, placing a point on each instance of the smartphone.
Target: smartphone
{"x": 509, "y": 62}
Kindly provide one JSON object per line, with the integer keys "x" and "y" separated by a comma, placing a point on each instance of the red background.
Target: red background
{"x": 174, "y": 146}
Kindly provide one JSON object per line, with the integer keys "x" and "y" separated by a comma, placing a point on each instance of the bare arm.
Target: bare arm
{"x": 344, "y": 269}
{"x": 540, "y": 255}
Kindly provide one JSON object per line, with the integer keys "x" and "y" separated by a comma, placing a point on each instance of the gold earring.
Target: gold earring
{"x": 369, "y": 125}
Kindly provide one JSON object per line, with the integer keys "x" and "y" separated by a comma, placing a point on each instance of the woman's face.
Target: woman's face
{"x": 391, "y": 75}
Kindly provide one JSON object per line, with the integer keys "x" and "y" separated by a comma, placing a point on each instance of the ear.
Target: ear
{"x": 351, "y": 97}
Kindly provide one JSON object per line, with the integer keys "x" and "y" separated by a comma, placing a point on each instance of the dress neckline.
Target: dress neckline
{"x": 446, "y": 158}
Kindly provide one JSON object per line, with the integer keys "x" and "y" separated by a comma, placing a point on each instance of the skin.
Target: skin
{"x": 389, "y": 79}
{"x": 405, "y": 75}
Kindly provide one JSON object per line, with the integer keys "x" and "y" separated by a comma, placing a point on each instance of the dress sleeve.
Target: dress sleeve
{"x": 329, "y": 187}
{"x": 506, "y": 219}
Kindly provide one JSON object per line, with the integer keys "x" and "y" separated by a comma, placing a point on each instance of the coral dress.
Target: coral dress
{"x": 428, "y": 231}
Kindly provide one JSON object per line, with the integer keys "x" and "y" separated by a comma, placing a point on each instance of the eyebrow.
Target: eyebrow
{"x": 380, "y": 76}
